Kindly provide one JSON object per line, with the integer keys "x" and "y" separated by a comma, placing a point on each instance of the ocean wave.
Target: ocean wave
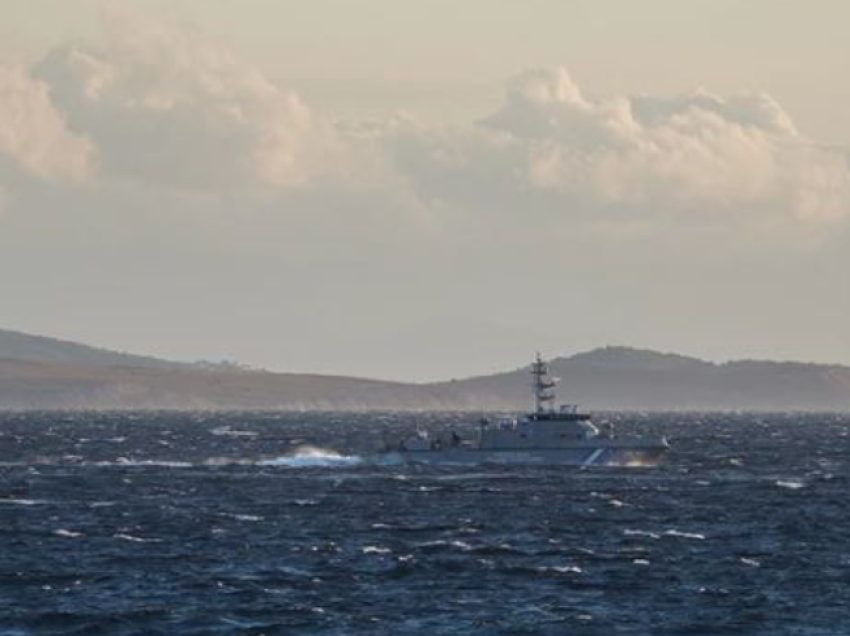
{"x": 312, "y": 456}
{"x": 242, "y": 517}
{"x": 684, "y": 535}
{"x": 135, "y": 539}
{"x": 156, "y": 463}
{"x": 227, "y": 431}
{"x": 301, "y": 458}
{"x": 374, "y": 549}
{"x": 24, "y": 502}
{"x": 679, "y": 534}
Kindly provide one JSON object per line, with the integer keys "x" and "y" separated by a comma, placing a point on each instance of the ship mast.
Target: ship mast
{"x": 543, "y": 385}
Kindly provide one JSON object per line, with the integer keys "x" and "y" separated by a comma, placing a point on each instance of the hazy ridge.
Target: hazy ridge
{"x": 43, "y": 373}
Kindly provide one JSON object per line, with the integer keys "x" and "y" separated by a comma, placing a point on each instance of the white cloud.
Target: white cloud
{"x": 167, "y": 106}
{"x": 160, "y": 105}
{"x": 33, "y": 134}
{"x": 697, "y": 152}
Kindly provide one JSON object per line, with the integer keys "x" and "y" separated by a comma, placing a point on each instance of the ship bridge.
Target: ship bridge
{"x": 558, "y": 416}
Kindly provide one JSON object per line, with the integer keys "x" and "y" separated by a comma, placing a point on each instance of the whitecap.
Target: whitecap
{"x": 641, "y": 533}
{"x": 311, "y": 456}
{"x": 460, "y": 545}
{"x": 684, "y": 535}
{"x": 144, "y": 463}
{"x": 374, "y": 549}
{"x": 242, "y": 517}
{"x": 227, "y": 461}
{"x": 25, "y": 502}
{"x": 154, "y": 462}
{"x": 791, "y": 485}
{"x": 440, "y": 543}
{"x": 129, "y": 537}
{"x": 68, "y": 534}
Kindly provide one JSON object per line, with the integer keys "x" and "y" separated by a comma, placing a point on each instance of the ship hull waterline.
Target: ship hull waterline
{"x": 579, "y": 456}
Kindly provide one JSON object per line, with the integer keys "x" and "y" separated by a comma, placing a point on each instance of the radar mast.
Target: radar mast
{"x": 544, "y": 385}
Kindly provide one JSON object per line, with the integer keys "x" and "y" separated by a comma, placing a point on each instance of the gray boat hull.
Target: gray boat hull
{"x": 584, "y": 455}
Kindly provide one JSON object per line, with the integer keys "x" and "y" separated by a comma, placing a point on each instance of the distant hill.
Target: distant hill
{"x": 625, "y": 378}
{"x": 42, "y": 373}
{"x": 15, "y": 345}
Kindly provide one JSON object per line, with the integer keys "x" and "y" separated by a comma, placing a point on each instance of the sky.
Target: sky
{"x": 426, "y": 190}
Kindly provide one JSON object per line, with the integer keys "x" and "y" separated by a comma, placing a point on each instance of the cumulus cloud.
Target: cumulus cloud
{"x": 694, "y": 152}
{"x": 160, "y": 105}
{"x": 34, "y": 136}
{"x": 167, "y": 106}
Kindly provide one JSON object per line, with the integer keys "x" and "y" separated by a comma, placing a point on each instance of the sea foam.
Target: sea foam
{"x": 312, "y": 456}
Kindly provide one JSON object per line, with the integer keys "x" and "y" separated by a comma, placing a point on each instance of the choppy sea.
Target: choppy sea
{"x": 272, "y": 524}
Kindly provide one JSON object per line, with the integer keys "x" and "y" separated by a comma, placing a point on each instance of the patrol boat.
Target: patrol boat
{"x": 549, "y": 435}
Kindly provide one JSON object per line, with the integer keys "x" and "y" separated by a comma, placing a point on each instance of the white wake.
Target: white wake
{"x": 310, "y": 456}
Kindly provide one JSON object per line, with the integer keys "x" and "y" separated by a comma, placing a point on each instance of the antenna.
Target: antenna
{"x": 543, "y": 384}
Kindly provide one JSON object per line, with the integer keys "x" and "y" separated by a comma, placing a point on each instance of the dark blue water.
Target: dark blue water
{"x": 217, "y": 524}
